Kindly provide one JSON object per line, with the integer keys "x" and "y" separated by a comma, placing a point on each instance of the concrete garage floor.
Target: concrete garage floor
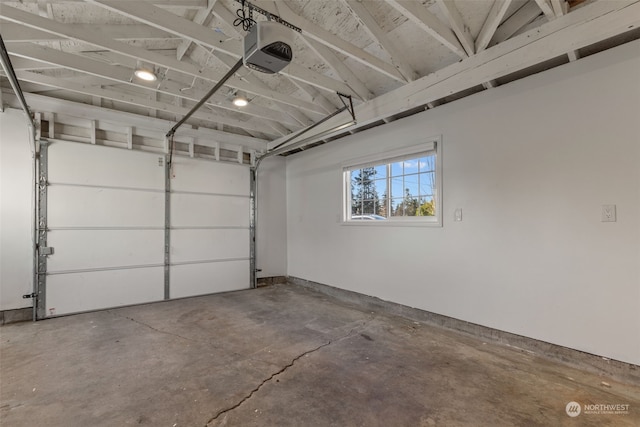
{"x": 281, "y": 356}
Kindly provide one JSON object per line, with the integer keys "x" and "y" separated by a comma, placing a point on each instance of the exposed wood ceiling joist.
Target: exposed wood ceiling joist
{"x": 583, "y": 27}
{"x": 392, "y": 56}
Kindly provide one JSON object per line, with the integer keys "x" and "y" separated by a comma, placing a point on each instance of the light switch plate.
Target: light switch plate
{"x": 457, "y": 215}
{"x": 608, "y": 213}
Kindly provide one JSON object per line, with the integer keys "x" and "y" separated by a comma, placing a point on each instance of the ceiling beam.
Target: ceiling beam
{"x": 428, "y": 22}
{"x": 524, "y": 16}
{"x": 15, "y": 15}
{"x": 338, "y": 66}
{"x": 316, "y": 32}
{"x": 316, "y": 96}
{"x": 202, "y": 16}
{"x": 560, "y": 7}
{"x": 460, "y": 29}
{"x": 188, "y": 4}
{"x": 495, "y": 17}
{"x": 546, "y": 8}
{"x": 369, "y": 23}
{"x": 205, "y": 136}
{"x": 19, "y": 33}
{"x": 131, "y": 99}
{"x": 159, "y": 18}
{"x": 123, "y": 75}
{"x": 582, "y": 27}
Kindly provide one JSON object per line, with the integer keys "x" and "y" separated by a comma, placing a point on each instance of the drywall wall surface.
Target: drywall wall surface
{"x": 16, "y": 193}
{"x": 530, "y": 164}
{"x": 271, "y": 234}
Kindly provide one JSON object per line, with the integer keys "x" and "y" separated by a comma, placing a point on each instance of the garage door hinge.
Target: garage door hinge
{"x": 31, "y": 295}
{"x": 46, "y": 250}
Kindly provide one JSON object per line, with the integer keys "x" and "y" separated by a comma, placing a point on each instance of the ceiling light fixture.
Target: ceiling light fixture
{"x": 240, "y": 101}
{"x": 146, "y": 75}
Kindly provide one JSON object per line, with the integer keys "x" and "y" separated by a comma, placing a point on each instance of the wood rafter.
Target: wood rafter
{"x": 398, "y": 59}
{"x": 582, "y": 27}
{"x": 189, "y": 4}
{"x": 332, "y": 60}
{"x": 546, "y": 8}
{"x": 496, "y": 14}
{"x": 122, "y": 75}
{"x": 147, "y": 125}
{"x": 139, "y": 101}
{"x": 524, "y": 16}
{"x": 316, "y": 32}
{"x": 560, "y": 7}
{"x": 159, "y": 18}
{"x": 458, "y": 26}
{"x": 20, "y": 33}
{"x": 203, "y": 16}
{"x": 420, "y": 15}
{"x": 34, "y": 21}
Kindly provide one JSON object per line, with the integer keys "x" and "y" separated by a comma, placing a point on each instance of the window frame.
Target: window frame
{"x": 431, "y": 146}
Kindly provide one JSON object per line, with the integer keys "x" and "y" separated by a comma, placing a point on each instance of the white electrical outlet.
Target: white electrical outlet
{"x": 608, "y": 213}
{"x": 457, "y": 215}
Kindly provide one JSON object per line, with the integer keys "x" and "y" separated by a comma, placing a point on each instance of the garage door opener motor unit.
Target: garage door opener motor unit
{"x": 267, "y": 47}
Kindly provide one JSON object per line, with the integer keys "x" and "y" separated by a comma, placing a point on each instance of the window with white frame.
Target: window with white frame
{"x": 401, "y": 186}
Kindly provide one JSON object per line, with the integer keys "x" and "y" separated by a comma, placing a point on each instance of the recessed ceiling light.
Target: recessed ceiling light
{"x": 240, "y": 101}
{"x": 145, "y": 75}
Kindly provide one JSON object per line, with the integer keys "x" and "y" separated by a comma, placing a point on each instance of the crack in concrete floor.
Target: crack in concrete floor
{"x": 349, "y": 334}
{"x": 255, "y": 390}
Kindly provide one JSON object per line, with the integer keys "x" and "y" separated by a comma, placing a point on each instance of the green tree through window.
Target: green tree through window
{"x": 364, "y": 195}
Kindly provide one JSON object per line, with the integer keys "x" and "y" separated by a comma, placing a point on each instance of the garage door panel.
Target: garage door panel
{"x": 195, "y": 210}
{"x": 71, "y": 206}
{"x": 86, "y": 249}
{"x": 204, "y": 176}
{"x": 77, "y": 292}
{"x": 71, "y": 162}
{"x": 200, "y": 279}
{"x": 106, "y": 222}
{"x": 201, "y": 245}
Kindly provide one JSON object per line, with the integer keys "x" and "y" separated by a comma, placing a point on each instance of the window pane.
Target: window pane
{"x": 396, "y": 169}
{"x": 428, "y": 164}
{"x": 427, "y": 207}
{"x": 369, "y": 207}
{"x": 410, "y": 166}
{"x": 397, "y": 207}
{"x": 381, "y": 187}
{"x": 427, "y": 184}
{"x": 381, "y": 171}
{"x": 411, "y": 186}
{"x": 397, "y": 187}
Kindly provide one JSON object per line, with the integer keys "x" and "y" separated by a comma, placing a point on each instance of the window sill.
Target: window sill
{"x": 392, "y": 223}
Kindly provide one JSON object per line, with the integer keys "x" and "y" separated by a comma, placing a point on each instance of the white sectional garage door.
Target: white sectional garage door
{"x": 209, "y": 227}
{"x": 106, "y": 223}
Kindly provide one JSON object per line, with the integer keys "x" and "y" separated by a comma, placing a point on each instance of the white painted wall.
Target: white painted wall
{"x": 271, "y": 235}
{"x": 530, "y": 165}
{"x": 16, "y": 175}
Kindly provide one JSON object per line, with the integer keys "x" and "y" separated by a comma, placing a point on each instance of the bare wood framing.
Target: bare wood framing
{"x": 582, "y": 27}
{"x": 496, "y": 14}
{"x": 418, "y": 14}
{"x": 398, "y": 59}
